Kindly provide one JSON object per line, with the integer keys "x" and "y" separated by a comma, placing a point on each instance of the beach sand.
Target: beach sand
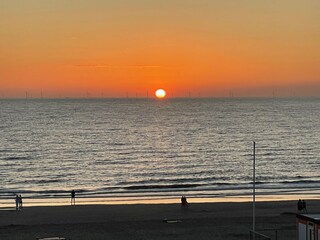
{"x": 146, "y": 221}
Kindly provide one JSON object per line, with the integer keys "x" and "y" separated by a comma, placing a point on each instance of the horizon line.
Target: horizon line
{"x": 163, "y": 99}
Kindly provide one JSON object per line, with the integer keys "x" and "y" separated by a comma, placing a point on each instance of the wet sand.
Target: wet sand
{"x": 148, "y": 221}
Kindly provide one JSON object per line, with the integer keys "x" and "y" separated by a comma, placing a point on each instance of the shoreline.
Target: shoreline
{"x": 58, "y": 201}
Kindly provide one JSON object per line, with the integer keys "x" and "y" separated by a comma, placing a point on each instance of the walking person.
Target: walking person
{"x": 17, "y": 202}
{"x": 184, "y": 202}
{"x": 300, "y": 205}
{"x": 20, "y": 203}
{"x": 73, "y": 197}
{"x": 304, "y": 206}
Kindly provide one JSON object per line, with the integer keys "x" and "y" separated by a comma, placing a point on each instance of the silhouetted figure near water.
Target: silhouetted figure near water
{"x": 73, "y": 197}
{"x": 304, "y": 206}
{"x": 184, "y": 202}
{"x": 17, "y": 202}
{"x": 20, "y": 203}
{"x": 299, "y": 205}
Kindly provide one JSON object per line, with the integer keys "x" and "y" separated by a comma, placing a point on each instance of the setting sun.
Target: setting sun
{"x": 160, "y": 93}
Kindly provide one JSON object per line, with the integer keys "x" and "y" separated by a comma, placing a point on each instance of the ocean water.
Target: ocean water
{"x": 158, "y": 148}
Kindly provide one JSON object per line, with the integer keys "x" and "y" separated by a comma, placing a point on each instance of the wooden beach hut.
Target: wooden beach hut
{"x": 308, "y": 226}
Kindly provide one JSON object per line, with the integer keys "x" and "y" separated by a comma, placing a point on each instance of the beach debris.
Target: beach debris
{"x": 172, "y": 220}
{"x": 52, "y": 238}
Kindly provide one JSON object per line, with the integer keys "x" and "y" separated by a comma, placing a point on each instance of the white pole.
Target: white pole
{"x": 254, "y": 191}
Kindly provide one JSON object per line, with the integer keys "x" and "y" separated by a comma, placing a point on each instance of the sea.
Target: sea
{"x": 149, "y": 148}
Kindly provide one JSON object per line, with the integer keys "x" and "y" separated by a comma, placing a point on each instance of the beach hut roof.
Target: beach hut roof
{"x": 312, "y": 217}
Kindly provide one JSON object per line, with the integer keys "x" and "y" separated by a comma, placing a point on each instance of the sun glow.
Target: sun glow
{"x": 160, "y": 93}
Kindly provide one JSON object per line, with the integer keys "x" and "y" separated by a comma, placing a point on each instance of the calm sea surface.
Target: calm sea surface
{"x": 132, "y": 147}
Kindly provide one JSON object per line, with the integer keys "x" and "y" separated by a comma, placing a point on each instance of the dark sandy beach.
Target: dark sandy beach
{"x": 147, "y": 221}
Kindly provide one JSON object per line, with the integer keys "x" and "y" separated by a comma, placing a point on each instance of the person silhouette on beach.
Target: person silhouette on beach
{"x": 17, "y": 202}
{"x": 300, "y": 205}
{"x": 20, "y": 202}
{"x": 304, "y": 206}
{"x": 73, "y": 197}
{"x": 184, "y": 202}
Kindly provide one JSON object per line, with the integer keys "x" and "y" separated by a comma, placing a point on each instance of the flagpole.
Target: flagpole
{"x": 254, "y": 191}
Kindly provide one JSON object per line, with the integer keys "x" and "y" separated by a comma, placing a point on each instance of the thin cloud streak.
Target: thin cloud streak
{"x": 113, "y": 66}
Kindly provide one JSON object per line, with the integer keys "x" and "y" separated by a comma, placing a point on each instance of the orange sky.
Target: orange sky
{"x": 110, "y": 48}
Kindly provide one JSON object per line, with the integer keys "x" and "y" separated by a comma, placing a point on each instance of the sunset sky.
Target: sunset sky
{"x": 74, "y": 48}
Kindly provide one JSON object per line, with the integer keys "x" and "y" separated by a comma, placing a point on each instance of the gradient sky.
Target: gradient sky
{"x": 207, "y": 47}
